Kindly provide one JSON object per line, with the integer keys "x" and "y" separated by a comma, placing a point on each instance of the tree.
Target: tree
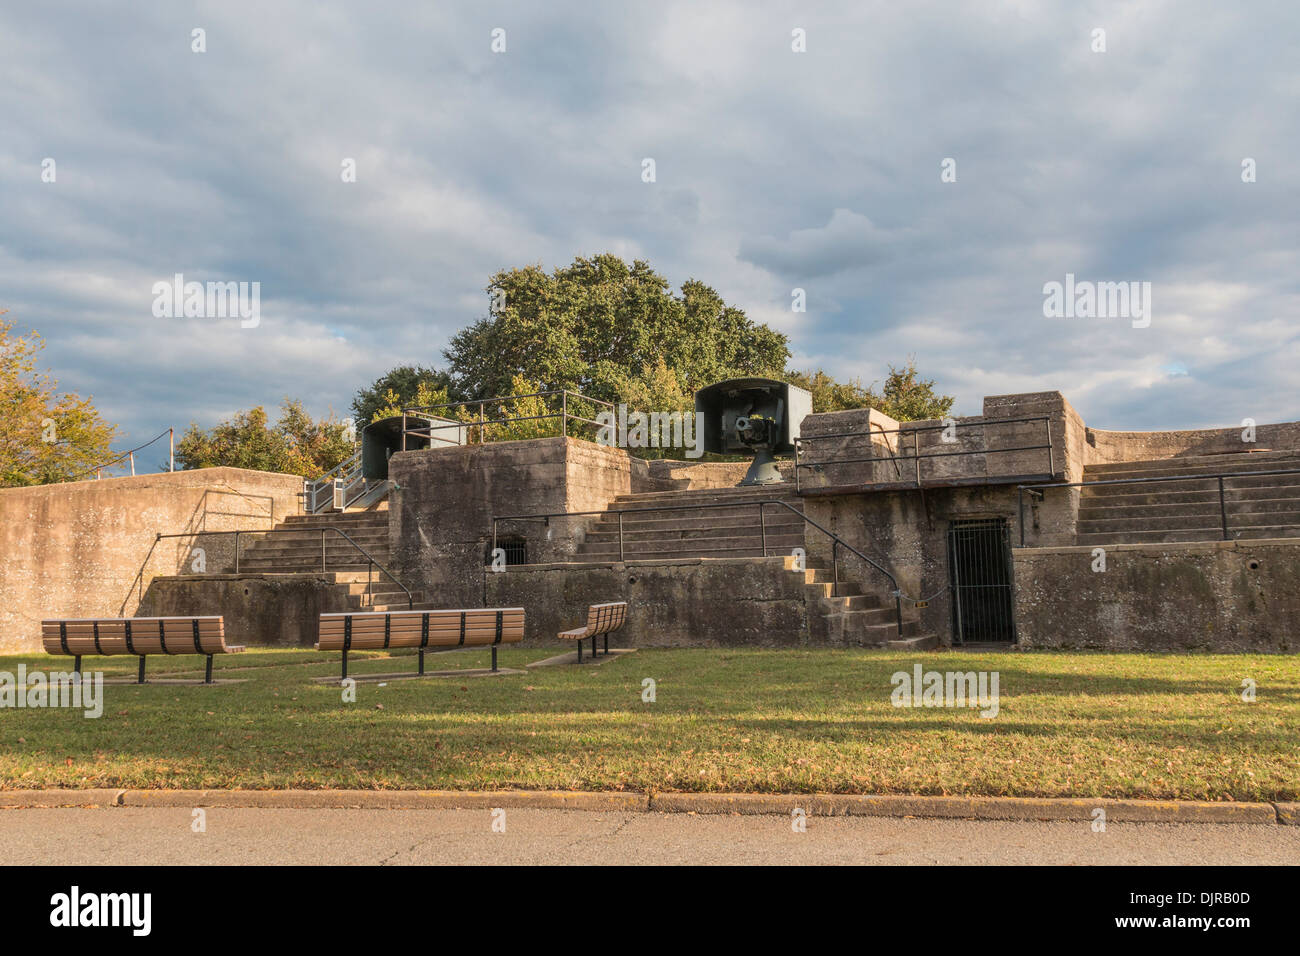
{"x": 397, "y": 388}
{"x": 45, "y": 437}
{"x": 295, "y": 445}
{"x": 596, "y": 324}
{"x": 904, "y": 397}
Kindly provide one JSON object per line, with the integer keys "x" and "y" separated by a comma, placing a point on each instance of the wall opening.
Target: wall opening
{"x": 979, "y": 569}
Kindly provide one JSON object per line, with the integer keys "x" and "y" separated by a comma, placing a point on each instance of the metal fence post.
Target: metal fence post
{"x": 762, "y": 526}
{"x": 1223, "y": 510}
{"x": 236, "y": 552}
{"x": 564, "y": 413}
{"x": 620, "y": 537}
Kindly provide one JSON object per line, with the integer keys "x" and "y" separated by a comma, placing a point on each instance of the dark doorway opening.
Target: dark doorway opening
{"x": 979, "y": 569}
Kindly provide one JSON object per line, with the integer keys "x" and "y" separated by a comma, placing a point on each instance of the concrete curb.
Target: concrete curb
{"x": 815, "y": 804}
{"x": 389, "y": 799}
{"x": 25, "y": 799}
{"x": 968, "y": 808}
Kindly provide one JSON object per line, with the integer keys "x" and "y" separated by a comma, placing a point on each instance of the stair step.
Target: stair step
{"x": 1092, "y": 511}
{"x": 1236, "y": 520}
{"x": 1195, "y": 465}
{"x": 1187, "y": 534}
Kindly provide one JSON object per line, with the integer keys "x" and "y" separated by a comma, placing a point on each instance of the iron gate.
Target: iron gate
{"x": 979, "y": 568}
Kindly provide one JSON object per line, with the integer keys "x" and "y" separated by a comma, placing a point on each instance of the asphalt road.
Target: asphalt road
{"x": 129, "y": 836}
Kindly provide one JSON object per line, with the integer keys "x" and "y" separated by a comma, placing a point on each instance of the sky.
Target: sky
{"x": 775, "y": 169}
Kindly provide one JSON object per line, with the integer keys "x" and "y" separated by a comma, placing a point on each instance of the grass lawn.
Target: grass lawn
{"x": 1070, "y": 724}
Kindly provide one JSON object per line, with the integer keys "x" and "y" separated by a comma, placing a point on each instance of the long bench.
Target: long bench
{"x": 601, "y": 619}
{"x": 436, "y": 630}
{"x": 141, "y": 636}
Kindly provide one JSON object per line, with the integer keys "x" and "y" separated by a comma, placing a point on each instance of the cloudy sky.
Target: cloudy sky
{"x": 775, "y": 170}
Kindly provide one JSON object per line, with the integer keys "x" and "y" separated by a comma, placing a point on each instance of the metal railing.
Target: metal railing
{"x": 564, "y": 415}
{"x": 916, "y": 455}
{"x": 130, "y": 456}
{"x": 837, "y": 541}
{"x": 1219, "y": 477}
{"x": 337, "y": 488}
{"x": 371, "y": 565}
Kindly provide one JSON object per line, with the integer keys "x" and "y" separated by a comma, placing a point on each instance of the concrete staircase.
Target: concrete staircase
{"x": 724, "y": 523}
{"x": 296, "y": 548}
{"x": 1258, "y": 506}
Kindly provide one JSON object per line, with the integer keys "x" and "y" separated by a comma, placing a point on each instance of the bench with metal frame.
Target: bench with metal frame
{"x": 142, "y": 636}
{"x": 440, "y": 630}
{"x": 602, "y": 619}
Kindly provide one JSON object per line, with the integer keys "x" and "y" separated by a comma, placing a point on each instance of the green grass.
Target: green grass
{"x": 1117, "y": 725}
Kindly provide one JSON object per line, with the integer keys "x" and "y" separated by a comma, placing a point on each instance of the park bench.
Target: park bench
{"x": 137, "y": 635}
{"x": 426, "y": 630}
{"x": 601, "y": 619}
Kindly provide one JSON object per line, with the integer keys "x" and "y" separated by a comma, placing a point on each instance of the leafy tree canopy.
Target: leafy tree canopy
{"x": 296, "y": 445}
{"x": 397, "y": 388}
{"x": 45, "y": 436}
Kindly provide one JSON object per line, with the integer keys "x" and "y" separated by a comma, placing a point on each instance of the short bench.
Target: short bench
{"x": 438, "y": 630}
{"x": 137, "y": 635}
{"x": 601, "y": 619}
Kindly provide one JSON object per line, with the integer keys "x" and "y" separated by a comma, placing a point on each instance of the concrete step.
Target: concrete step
{"x": 293, "y": 553}
{"x": 706, "y": 532}
{"x": 1214, "y": 533}
{"x": 302, "y": 567}
{"x": 687, "y": 520}
{"x": 922, "y": 642}
{"x": 1103, "y": 510}
{"x": 1244, "y": 484}
{"x": 1236, "y": 520}
{"x": 1195, "y": 465}
{"x": 696, "y": 546}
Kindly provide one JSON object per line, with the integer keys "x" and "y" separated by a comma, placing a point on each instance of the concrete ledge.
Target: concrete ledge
{"x": 413, "y": 675}
{"x": 571, "y": 657}
{"x": 60, "y": 798}
{"x": 973, "y": 808}
{"x": 389, "y": 799}
{"x": 814, "y": 804}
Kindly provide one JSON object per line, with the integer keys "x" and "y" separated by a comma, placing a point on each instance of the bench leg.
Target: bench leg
{"x": 422, "y": 662}
{"x": 579, "y": 650}
{"x": 606, "y": 643}
{"x": 594, "y": 652}
{"x": 140, "y": 678}
{"x": 76, "y": 664}
{"x": 345, "y": 665}
{"x": 494, "y": 657}
{"x": 207, "y": 676}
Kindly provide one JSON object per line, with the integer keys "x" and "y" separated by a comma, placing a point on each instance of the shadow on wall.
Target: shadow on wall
{"x": 209, "y": 553}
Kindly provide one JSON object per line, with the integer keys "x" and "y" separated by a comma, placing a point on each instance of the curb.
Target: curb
{"x": 388, "y": 799}
{"x": 815, "y": 804}
{"x": 970, "y": 808}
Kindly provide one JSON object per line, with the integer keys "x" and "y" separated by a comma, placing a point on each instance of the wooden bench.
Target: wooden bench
{"x": 137, "y": 635}
{"x": 438, "y": 630}
{"x": 601, "y": 619}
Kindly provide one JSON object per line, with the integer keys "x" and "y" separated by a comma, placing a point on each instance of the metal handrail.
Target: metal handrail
{"x": 171, "y": 466}
{"x": 837, "y": 541}
{"x": 372, "y": 563}
{"x": 1219, "y": 476}
{"x": 563, "y": 414}
{"x": 916, "y": 455}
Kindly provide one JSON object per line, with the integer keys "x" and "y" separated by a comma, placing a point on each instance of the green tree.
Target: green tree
{"x": 296, "y": 445}
{"x": 597, "y": 323}
{"x": 398, "y": 388}
{"x": 905, "y": 396}
{"x": 45, "y": 436}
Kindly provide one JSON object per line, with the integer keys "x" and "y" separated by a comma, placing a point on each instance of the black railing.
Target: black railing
{"x": 916, "y": 455}
{"x": 371, "y": 564}
{"x": 837, "y": 541}
{"x": 1219, "y": 477}
{"x": 563, "y": 415}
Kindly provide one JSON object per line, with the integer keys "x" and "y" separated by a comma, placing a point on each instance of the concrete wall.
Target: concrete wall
{"x": 1212, "y": 596}
{"x": 682, "y": 602}
{"x": 1105, "y": 447}
{"x": 283, "y": 610}
{"x": 87, "y": 548}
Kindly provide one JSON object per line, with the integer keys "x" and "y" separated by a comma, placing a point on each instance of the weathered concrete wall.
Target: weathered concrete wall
{"x": 87, "y": 548}
{"x": 1212, "y": 596}
{"x": 281, "y": 610}
{"x": 1105, "y": 447}
{"x": 440, "y": 517}
{"x": 682, "y": 602}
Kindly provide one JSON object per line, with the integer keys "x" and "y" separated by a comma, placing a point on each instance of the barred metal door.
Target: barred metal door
{"x": 979, "y": 567}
